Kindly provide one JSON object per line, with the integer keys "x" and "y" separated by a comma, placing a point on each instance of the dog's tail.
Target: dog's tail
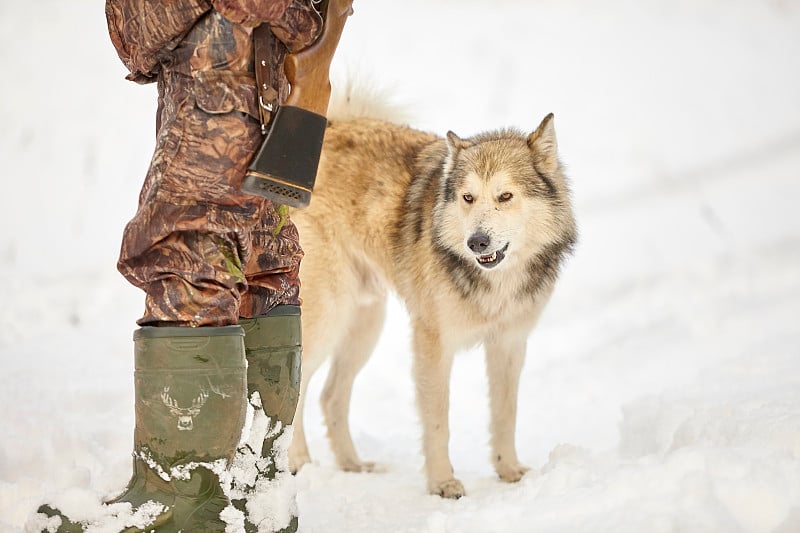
{"x": 353, "y": 98}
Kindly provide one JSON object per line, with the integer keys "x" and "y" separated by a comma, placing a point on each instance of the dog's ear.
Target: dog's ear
{"x": 456, "y": 143}
{"x": 544, "y": 145}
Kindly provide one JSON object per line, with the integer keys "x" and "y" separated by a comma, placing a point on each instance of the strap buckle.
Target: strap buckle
{"x": 267, "y": 100}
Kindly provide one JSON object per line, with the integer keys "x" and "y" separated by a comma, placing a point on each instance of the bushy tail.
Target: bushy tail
{"x": 354, "y": 97}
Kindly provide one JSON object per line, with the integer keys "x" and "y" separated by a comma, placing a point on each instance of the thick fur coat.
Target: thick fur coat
{"x": 469, "y": 233}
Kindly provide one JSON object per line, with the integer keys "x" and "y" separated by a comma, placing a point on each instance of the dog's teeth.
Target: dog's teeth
{"x": 488, "y": 258}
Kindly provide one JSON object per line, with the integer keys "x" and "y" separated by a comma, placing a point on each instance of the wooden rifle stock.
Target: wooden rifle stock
{"x": 308, "y": 70}
{"x": 285, "y": 168}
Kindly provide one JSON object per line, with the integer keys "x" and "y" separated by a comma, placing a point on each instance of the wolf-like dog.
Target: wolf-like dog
{"x": 469, "y": 233}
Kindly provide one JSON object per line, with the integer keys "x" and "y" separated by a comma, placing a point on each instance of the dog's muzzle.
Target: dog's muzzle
{"x": 479, "y": 243}
{"x": 493, "y": 259}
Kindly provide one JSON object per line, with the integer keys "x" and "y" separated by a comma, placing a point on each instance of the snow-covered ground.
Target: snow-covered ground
{"x": 662, "y": 388}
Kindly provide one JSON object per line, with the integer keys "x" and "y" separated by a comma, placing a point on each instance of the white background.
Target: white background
{"x": 662, "y": 388}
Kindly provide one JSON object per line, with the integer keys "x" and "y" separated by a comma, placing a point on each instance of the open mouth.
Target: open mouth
{"x": 493, "y": 259}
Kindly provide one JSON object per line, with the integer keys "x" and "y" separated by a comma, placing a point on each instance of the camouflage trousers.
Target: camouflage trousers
{"x": 204, "y": 253}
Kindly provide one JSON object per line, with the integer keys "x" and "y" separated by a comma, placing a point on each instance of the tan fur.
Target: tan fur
{"x": 379, "y": 221}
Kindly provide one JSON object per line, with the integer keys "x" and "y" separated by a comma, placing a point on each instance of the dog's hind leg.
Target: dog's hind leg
{"x": 504, "y": 359}
{"x": 320, "y": 337}
{"x": 432, "y": 367}
{"x": 350, "y": 357}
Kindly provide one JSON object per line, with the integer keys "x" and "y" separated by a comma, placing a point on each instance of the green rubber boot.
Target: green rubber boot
{"x": 264, "y": 485}
{"x": 190, "y": 408}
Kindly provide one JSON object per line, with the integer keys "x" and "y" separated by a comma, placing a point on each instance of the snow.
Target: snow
{"x": 94, "y": 517}
{"x": 271, "y": 503}
{"x": 662, "y": 387}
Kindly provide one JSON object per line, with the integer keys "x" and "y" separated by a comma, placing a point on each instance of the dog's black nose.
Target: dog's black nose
{"x": 478, "y": 242}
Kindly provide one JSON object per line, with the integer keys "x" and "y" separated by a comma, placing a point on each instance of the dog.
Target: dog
{"x": 469, "y": 233}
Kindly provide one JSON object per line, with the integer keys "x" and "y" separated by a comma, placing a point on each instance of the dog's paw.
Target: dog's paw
{"x": 359, "y": 466}
{"x": 511, "y": 473}
{"x": 452, "y": 489}
{"x": 296, "y": 462}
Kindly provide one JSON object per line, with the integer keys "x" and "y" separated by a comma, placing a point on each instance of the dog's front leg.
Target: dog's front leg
{"x": 504, "y": 358}
{"x": 432, "y": 367}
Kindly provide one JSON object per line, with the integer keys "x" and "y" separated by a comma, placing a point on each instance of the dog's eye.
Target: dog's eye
{"x": 506, "y": 196}
{"x": 468, "y": 198}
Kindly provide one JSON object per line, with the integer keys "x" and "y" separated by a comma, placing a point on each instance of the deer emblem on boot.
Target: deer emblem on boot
{"x": 185, "y": 414}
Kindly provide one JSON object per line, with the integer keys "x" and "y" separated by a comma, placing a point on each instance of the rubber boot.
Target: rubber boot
{"x": 190, "y": 407}
{"x": 273, "y": 347}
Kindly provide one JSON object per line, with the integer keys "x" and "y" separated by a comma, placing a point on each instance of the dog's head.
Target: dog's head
{"x": 504, "y": 197}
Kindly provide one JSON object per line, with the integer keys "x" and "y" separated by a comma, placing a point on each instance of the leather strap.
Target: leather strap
{"x": 269, "y": 54}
